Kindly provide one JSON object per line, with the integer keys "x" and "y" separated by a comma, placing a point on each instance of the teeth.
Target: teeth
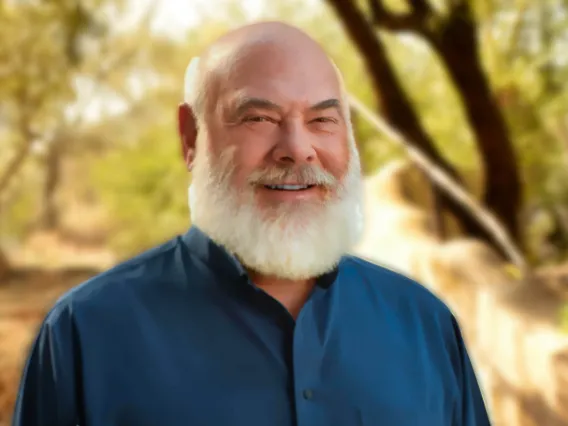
{"x": 288, "y": 187}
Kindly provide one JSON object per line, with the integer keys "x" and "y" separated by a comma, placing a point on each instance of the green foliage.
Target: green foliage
{"x": 19, "y": 211}
{"x": 435, "y": 99}
{"x": 143, "y": 186}
{"x": 42, "y": 48}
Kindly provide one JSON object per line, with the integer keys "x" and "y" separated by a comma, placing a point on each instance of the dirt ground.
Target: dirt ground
{"x": 25, "y": 298}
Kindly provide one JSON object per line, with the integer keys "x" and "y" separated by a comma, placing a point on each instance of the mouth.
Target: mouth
{"x": 289, "y": 187}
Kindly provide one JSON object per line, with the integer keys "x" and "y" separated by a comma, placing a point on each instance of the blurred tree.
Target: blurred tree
{"x": 50, "y": 52}
{"x": 523, "y": 48}
{"x": 141, "y": 185}
{"x": 452, "y": 35}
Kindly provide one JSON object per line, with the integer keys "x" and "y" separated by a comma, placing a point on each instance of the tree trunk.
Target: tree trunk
{"x": 456, "y": 45}
{"x": 28, "y": 137}
{"x": 396, "y": 107}
{"x": 5, "y": 268}
{"x": 14, "y": 165}
{"x": 49, "y": 219}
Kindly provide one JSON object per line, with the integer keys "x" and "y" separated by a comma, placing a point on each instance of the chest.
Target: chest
{"x": 234, "y": 369}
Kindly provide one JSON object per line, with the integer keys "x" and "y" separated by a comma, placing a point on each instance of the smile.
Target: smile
{"x": 288, "y": 187}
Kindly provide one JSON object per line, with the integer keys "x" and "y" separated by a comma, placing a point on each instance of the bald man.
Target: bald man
{"x": 257, "y": 315}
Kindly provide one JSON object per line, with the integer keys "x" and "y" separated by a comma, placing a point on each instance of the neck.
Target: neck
{"x": 291, "y": 294}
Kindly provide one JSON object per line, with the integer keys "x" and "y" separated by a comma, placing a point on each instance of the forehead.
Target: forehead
{"x": 281, "y": 75}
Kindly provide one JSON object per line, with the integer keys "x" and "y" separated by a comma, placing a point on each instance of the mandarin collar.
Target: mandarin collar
{"x": 224, "y": 265}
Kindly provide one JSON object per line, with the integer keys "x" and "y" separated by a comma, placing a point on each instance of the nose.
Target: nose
{"x": 294, "y": 146}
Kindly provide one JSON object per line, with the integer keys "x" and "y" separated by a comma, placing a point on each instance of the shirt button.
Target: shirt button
{"x": 308, "y": 394}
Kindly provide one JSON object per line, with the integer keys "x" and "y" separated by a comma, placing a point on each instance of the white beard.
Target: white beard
{"x": 299, "y": 241}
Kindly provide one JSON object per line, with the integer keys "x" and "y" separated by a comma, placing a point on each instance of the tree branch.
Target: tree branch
{"x": 485, "y": 218}
{"x": 413, "y": 21}
{"x": 24, "y": 126}
{"x": 19, "y": 158}
{"x": 420, "y": 7}
{"x": 459, "y": 7}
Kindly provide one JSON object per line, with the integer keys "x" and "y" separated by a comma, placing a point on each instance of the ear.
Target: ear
{"x": 187, "y": 129}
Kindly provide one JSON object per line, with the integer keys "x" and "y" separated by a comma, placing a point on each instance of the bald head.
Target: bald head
{"x": 268, "y": 45}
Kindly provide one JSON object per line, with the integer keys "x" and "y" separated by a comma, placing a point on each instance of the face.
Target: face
{"x": 277, "y": 164}
{"x": 285, "y": 125}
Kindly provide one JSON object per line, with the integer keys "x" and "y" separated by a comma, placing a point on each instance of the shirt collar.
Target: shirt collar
{"x": 224, "y": 264}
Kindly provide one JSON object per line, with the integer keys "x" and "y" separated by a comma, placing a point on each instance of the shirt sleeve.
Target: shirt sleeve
{"x": 471, "y": 409}
{"x": 47, "y": 391}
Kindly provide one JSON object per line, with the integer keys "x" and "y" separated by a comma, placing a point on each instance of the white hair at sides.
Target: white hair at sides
{"x": 190, "y": 87}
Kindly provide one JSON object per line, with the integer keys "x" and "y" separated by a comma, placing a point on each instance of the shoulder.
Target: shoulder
{"x": 393, "y": 285}
{"x": 120, "y": 283}
{"x": 405, "y": 299}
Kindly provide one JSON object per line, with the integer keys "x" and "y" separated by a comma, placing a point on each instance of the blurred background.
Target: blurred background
{"x": 91, "y": 172}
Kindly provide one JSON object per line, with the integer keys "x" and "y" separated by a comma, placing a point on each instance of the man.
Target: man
{"x": 256, "y": 316}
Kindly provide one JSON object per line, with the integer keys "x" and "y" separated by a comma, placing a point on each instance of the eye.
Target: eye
{"x": 259, "y": 119}
{"x": 324, "y": 120}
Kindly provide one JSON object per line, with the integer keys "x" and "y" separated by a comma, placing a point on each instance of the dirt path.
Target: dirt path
{"x": 24, "y": 300}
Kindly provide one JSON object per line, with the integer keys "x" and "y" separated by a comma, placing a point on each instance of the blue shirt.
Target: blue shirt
{"x": 179, "y": 336}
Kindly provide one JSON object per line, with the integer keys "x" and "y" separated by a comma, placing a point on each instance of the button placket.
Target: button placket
{"x": 307, "y": 357}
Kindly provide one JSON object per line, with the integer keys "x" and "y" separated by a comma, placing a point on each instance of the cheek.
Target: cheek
{"x": 248, "y": 150}
{"x": 336, "y": 160}
{"x": 246, "y": 160}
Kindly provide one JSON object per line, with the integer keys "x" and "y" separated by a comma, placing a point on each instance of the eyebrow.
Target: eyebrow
{"x": 247, "y": 103}
{"x": 327, "y": 104}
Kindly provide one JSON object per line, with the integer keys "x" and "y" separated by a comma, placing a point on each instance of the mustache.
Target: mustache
{"x": 303, "y": 175}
